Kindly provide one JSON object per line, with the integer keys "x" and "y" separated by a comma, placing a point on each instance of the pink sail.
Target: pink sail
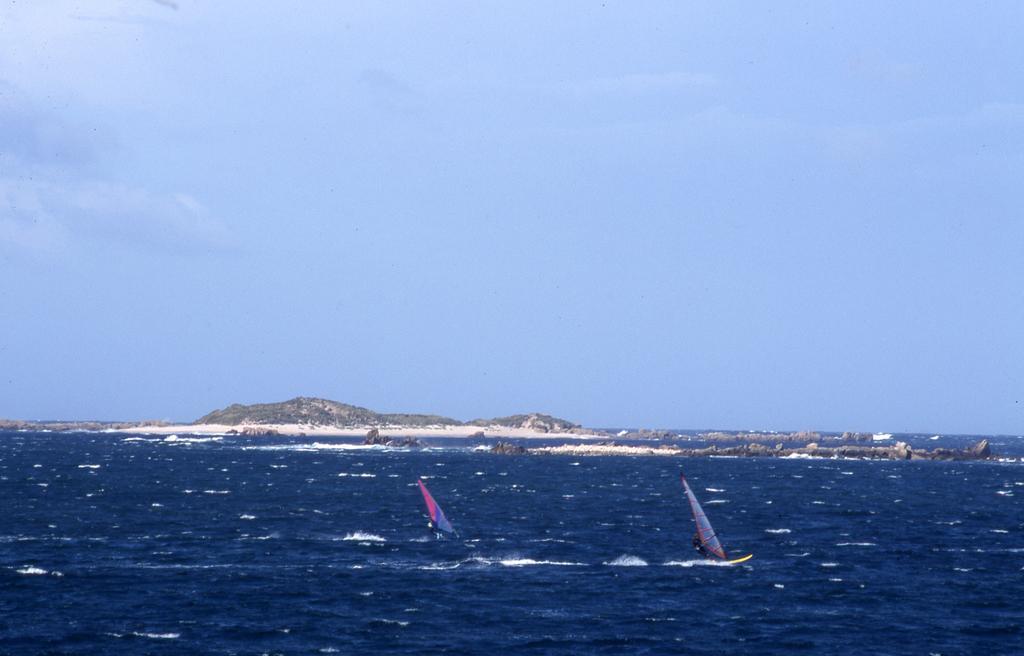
{"x": 434, "y": 510}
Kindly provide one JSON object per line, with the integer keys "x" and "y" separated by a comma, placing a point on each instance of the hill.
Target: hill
{"x": 324, "y": 412}
{"x": 317, "y": 412}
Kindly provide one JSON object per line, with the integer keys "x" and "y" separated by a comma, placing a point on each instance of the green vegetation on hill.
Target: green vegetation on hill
{"x": 318, "y": 412}
{"x": 538, "y": 422}
{"x": 324, "y": 412}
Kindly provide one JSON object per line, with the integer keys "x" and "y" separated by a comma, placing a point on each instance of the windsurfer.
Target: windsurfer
{"x": 698, "y": 544}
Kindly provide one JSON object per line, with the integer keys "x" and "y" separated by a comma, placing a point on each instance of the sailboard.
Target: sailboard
{"x": 708, "y": 539}
{"x": 438, "y": 521}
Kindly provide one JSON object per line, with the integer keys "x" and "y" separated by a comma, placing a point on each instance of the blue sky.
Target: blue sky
{"x": 788, "y": 216}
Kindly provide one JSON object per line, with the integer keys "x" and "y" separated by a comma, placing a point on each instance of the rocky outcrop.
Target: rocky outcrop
{"x": 508, "y": 449}
{"x": 536, "y": 422}
{"x": 374, "y": 438}
{"x": 258, "y": 431}
{"x": 898, "y": 451}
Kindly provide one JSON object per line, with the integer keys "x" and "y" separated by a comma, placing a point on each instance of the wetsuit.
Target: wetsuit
{"x": 698, "y": 544}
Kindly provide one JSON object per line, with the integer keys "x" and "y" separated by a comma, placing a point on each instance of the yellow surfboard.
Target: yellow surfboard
{"x": 740, "y": 560}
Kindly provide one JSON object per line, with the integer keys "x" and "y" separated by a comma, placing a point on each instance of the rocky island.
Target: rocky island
{"x": 317, "y": 417}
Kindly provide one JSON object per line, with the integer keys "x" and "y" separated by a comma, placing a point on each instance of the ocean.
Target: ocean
{"x": 121, "y": 544}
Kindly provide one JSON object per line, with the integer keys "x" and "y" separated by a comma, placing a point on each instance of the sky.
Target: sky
{"x": 789, "y": 216}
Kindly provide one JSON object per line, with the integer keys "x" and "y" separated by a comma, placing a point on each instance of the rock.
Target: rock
{"x": 508, "y": 449}
{"x": 259, "y": 431}
{"x": 902, "y": 451}
{"x": 980, "y": 450}
{"x": 479, "y": 435}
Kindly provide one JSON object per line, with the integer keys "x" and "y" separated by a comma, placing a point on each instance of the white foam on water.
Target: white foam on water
{"x": 778, "y": 531}
{"x": 247, "y": 517}
{"x": 800, "y": 555}
{"x": 191, "y": 440}
{"x": 715, "y": 501}
{"x": 779, "y": 586}
{"x": 394, "y": 622}
{"x": 997, "y": 530}
{"x": 697, "y": 563}
{"x": 439, "y": 566}
{"x": 830, "y": 564}
{"x": 35, "y": 571}
{"x": 834, "y": 580}
{"x": 627, "y": 560}
{"x": 1005, "y": 493}
{"x": 360, "y": 536}
{"x": 713, "y": 489}
{"x": 520, "y": 562}
{"x": 963, "y": 569}
{"x": 856, "y": 544}
{"x": 359, "y": 475}
{"x": 156, "y": 636}
{"x": 88, "y": 466}
{"x": 216, "y": 491}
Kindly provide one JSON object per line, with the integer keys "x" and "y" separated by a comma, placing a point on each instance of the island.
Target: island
{"x": 318, "y": 417}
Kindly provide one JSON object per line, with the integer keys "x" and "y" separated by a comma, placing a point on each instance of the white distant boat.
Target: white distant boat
{"x": 881, "y": 437}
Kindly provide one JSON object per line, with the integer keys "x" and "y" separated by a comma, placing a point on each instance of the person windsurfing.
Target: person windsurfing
{"x": 698, "y": 544}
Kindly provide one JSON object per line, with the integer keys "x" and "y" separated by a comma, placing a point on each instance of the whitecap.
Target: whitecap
{"x": 247, "y": 517}
{"x": 829, "y": 564}
{"x": 88, "y": 466}
{"x": 157, "y": 636}
{"x": 856, "y": 544}
{"x": 32, "y": 571}
{"x": 439, "y": 566}
{"x": 525, "y": 562}
{"x": 715, "y": 501}
{"x": 777, "y": 531}
{"x": 626, "y": 560}
{"x": 216, "y": 491}
{"x": 836, "y": 580}
{"x": 395, "y": 622}
{"x": 779, "y": 586}
{"x": 360, "y": 536}
{"x": 359, "y": 475}
{"x": 998, "y": 530}
{"x": 713, "y": 489}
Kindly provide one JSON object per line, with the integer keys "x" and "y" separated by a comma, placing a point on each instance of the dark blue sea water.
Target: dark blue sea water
{"x": 112, "y": 544}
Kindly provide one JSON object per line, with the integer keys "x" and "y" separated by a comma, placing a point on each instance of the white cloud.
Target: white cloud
{"x": 52, "y": 216}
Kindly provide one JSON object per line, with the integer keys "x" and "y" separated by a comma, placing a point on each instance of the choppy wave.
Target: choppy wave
{"x": 360, "y": 536}
{"x": 777, "y": 531}
{"x": 627, "y": 560}
{"x": 521, "y": 562}
{"x": 156, "y": 636}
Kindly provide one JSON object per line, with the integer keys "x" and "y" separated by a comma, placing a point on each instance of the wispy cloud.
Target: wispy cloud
{"x": 53, "y": 197}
